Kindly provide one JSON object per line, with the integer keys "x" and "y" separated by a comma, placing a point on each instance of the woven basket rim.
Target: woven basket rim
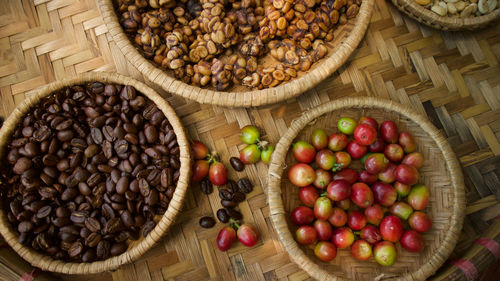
{"x": 251, "y": 98}
{"x": 431, "y": 19}
{"x": 47, "y": 263}
{"x": 276, "y": 169}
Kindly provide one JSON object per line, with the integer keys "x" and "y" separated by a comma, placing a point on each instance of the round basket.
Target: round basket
{"x": 441, "y": 173}
{"x": 429, "y": 18}
{"x": 347, "y": 38}
{"x": 136, "y": 248}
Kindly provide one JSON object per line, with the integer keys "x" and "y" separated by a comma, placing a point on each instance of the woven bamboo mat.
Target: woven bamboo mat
{"x": 453, "y": 78}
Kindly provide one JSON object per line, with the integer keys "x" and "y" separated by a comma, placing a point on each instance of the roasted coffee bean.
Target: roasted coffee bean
{"x": 89, "y": 255}
{"x": 237, "y": 164}
{"x": 112, "y": 225}
{"x": 75, "y": 249}
{"x": 245, "y": 185}
{"x": 234, "y": 214}
{"x": 144, "y": 187}
{"x": 102, "y": 249}
{"x": 206, "y": 186}
{"x": 239, "y": 196}
{"x": 207, "y": 222}
{"x": 225, "y": 194}
{"x": 232, "y": 186}
{"x": 122, "y": 185}
{"x": 118, "y": 248}
{"x": 25, "y": 226}
{"x": 147, "y": 227}
{"x": 92, "y": 224}
{"x": 222, "y": 215}
{"x": 44, "y": 211}
{"x": 127, "y": 219}
{"x": 78, "y": 217}
{"x": 228, "y": 203}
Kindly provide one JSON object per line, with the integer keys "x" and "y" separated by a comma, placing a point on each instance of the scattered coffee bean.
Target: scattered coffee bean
{"x": 237, "y": 164}
{"x": 222, "y": 215}
{"x": 234, "y": 214}
{"x": 245, "y": 185}
{"x": 207, "y": 222}
{"x": 206, "y": 186}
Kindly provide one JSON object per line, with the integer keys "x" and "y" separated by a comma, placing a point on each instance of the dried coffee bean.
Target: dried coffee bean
{"x": 245, "y": 185}
{"x": 92, "y": 224}
{"x": 102, "y": 249}
{"x": 206, "y": 186}
{"x": 44, "y": 211}
{"x": 207, "y": 222}
{"x": 75, "y": 249}
{"x": 118, "y": 248}
{"x": 237, "y": 164}
{"x": 222, "y": 215}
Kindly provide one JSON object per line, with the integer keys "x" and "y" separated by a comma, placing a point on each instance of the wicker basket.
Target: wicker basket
{"x": 136, "y": 248}
{"x": 347, "y": 38}
{"x": 429, "y": 18}
{"x": 441, "y": 173}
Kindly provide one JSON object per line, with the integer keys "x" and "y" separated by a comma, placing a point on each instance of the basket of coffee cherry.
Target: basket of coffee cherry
{"x": 362, "y": 188}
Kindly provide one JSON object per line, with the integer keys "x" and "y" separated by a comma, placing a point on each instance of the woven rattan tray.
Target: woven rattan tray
{"x": 429, "y": 18}
{"x": 347, "y": 38}
{"x": 136, "y": 248}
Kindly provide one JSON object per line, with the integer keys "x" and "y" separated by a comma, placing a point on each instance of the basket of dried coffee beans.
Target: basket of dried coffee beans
{"x": 95, "y": 169}
{"x": 237, "y": 53}
{"x": 451, "y": 15}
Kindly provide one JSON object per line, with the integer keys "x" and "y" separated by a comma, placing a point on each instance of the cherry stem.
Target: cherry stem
{"x": 323, "y": 194}
{"x": 233, "y": 223}
{"x": 262, "y": 144}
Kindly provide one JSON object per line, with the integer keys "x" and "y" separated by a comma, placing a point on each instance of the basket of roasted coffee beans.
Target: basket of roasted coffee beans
{"x": 451, "y": 14}
{"x": 95, "y": 169}
{"x": 366, "y": 189}
{"x": 237, "y": 53}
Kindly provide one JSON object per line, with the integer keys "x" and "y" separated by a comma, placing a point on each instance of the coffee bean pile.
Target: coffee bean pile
{"x": 87, "y": 170}
{"x": 223, "y": 42}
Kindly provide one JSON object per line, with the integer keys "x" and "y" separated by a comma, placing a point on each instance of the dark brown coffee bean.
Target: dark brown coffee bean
{"x": 147, "y": 227}
{"x": 107, "y": 211}
{"x": 127, "y": 219}
{"x": 62, "y": 212}
{"x": 25, "y": 226}
{"x": 91, "y": 150}
{"x": 122, "y": 185}
{"x": 121, "y": 146}
{"x": 234, "y": 214}
{"x": 152, "y": 198}
{"x": 31, "y": 149}
{"x": 151, "y": 134}
{"x": 89, "y": 255}
{"x": 44, "y": 211}
{"x": 107, "y": 131}
{"x": 144, "y": 187}
{"x": 112, "y": 225}
{"x": 75, "y": 249}
{"x": 92, "y": 224}
{"x": 81, "y": 175}
{"x": 78, "y": 217}
{"x": 239, "y": 196}
{"x": 70, "y": 229}
{"x": 152, "y": 152}
{"x": 207, "y": 222}
{"x": 118, "y": 248}
{"x": 102, "y": 249}
{"x": 222, "y": 215}
{"x": 46, "y": 179}
{"x": 237, "y": 164}
{"x": 245, "y": 185}
{"x": 65, "y": 135}
{"x": 228, "y": 203}
{"x": 96, "y": 135}
{"x": 232, "y": 186}
{"x": 69, "y": 194}
{"x": 225, "y": 194}
{"x": 206, "y": 186}
{"x": 63, "y": 165}
{"x": 22, "y": 165}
